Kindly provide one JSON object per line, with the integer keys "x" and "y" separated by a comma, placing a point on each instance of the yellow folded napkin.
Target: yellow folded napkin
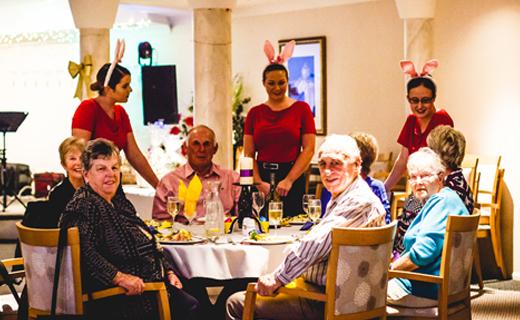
{"x": 190, "y": 195}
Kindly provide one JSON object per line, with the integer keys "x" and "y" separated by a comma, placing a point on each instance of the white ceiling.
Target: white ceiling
{"x": 18, "y": 16}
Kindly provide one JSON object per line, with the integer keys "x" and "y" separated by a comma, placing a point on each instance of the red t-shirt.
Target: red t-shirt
{"x": 91, "y": 117}
{"x": 411, "y": 136}
{"x": 278, "y": 134}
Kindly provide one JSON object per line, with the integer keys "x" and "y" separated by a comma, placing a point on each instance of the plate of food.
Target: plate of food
{"x": 298, "y": 220}
{"x": 263, "y": 239}
{"x": 183, "y": 236}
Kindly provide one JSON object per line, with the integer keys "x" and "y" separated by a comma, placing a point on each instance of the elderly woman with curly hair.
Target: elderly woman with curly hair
{"x": 450, "y": 145}
{"x": 424, "y": 239}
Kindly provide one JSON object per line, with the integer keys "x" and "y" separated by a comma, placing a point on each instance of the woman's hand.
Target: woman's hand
{"x": 132, "y": 284}
{"x": 283, "y": 187}
{"x": 174, "y": 280}
{"x": 264, "y": 187}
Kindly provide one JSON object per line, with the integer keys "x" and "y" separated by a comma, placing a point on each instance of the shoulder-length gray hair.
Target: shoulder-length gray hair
{"x": 425, "y": 159}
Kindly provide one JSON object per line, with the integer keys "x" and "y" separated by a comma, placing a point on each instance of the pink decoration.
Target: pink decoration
{"x": 285, "y": 55}
{"x": 408, "y": 68}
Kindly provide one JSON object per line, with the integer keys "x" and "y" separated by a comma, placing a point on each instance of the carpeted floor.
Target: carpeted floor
{"x": 497, "y": 304}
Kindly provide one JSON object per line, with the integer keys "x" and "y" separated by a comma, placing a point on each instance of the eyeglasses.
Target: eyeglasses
{"x": 424, "y": 176}
{"x": 424, "y": 100}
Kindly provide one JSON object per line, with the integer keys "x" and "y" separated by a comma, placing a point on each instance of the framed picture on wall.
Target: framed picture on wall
{"x": 307, "y": 77}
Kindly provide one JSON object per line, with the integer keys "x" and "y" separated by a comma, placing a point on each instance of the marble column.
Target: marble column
{"x": 94, "y": 19}
{"x": 213, "y": 83}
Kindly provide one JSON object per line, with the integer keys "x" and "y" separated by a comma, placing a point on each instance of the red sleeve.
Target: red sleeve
{"x": 125, "y": 120}
{"x": 404, "y": 136}
{"x": 444, "y": 118}
{"x": 308, "y": 125}
{"x": 85, "y": 116}
{"x": 250, "y": 121}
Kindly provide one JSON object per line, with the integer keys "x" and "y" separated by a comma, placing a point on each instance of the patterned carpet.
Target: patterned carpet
{"x": 500, "y": 301}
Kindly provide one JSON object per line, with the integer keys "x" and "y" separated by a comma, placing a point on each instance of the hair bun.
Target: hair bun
{"x": 96, "y": 86}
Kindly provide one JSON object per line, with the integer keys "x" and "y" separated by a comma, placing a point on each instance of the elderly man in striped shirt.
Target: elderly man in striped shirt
{"x": 353, "y": 204}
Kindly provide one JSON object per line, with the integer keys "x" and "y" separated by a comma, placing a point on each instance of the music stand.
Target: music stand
{"x": 9, "y": 122}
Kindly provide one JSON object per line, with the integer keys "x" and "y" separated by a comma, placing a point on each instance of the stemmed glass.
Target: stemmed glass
{"x": 275, "y": 214}
{"x": 173, "y": 207}
{"x": 305, "y": 202}
{"x": 314, "y": 210}
{"x": 258, "y": 202}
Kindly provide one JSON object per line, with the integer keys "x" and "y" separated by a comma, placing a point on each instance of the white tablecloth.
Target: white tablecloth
{"x": 141, "y": 198}
{"x": 229, "y": 261}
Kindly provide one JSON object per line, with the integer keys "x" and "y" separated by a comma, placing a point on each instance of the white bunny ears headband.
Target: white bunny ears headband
{"x": 285, "y": 55}
{"x": 408, "y": 68}
{"x": 118, "y": 55}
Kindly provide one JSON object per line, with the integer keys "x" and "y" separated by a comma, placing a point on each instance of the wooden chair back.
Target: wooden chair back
{"x": 39, "y": 248}
{"x": 358, "y": 262}
{"x": 488, "y": 167}
{"x": 380, "y": 169}
{"x": 470, "y": 170}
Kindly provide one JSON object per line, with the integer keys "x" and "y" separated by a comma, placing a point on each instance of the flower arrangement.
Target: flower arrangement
{"x": 184, "y": 124}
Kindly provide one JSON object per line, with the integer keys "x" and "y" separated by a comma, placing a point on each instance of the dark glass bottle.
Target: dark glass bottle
{"x": 272, "y": 196}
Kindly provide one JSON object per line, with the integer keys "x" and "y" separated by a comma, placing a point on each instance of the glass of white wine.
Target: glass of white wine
{"x": 305, "y": 202}
{"x": 314, "y": 210}
{"x": 275, "y": 214}
{"x": 173, "y": 207}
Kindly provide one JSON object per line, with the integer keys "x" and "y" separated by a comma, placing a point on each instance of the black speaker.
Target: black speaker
{"x": 160, "y": 94}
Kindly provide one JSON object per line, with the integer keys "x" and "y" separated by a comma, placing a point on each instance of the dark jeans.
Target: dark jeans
{"x": 292, "y": 203}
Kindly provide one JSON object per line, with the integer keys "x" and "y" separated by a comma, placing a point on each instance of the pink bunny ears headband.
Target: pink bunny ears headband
{"x": 285, "y": 55}
{"x": 118, "y": 55}
{"x": 408, "y": 68}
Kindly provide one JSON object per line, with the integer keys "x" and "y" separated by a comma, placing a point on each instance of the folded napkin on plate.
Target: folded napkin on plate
{"x": 190, "y": 195}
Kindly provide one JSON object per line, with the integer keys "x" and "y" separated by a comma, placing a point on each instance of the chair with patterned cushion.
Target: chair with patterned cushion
{"x": 39, "y": 248}
{"x": 453, "y": 300}
{"x": 356, "y": 275}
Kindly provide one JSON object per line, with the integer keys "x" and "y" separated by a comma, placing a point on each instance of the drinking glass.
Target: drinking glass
{"x": 258, "y": 202}
{"x": 314, "y": 210}
{"x": 305, "y": 202}
{"x": 275, "y": 213}
{"x": 173, "y": 207}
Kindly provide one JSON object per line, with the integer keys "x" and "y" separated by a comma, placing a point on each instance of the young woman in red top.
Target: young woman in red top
{"x": 421, "y": 96}
{"x": 101, "y": 117}
{"x": 282, "y": 135}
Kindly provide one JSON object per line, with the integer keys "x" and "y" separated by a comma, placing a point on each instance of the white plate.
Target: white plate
{"x": 193, "y": 240}
{"x": 270, "y": 240}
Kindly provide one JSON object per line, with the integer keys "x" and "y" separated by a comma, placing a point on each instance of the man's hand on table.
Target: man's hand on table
{"x": 132, "y": 284}
{"x": 267, "y": 285}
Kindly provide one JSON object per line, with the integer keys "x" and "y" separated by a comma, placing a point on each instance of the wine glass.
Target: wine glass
{"x": 258, "y": 202}
{"x": 314, "y": 209}
{"x": 173, "y": 207}
{"x": 275, "y": 213}
{"x": 305, "y": 202}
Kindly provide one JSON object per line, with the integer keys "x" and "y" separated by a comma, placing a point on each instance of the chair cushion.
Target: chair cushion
{"x": 431, "y": 312}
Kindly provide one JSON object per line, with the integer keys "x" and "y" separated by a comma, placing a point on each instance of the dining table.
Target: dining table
{"x": 231, "y": 256}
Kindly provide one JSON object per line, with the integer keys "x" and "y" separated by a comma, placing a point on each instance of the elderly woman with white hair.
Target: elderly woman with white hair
{"x": 424, "y": 239}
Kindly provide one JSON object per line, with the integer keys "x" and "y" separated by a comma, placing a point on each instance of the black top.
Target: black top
{"x": 59, "y": 196}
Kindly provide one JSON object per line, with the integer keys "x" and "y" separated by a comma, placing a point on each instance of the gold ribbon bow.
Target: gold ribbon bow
{"x": 84, "y": 71}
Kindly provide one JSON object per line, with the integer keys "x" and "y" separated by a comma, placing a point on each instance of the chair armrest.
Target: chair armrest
{"x": 13, "y": 262}
{"x": 101, "y": 294}
{"x": 304, "y": 293}
{"x": 414, "y": 276}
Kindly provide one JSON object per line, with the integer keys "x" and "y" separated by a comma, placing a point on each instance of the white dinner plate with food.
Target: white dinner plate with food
{"x": 193, "y": 240}
{"x": 270, "y": 240}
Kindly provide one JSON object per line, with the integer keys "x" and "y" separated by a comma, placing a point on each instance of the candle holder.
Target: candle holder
{"x": 245, "y": 206}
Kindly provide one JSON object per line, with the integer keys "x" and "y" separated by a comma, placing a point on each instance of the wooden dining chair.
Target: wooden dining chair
{"x": 367, "y": 249}
{"x": 10, "y": 305}
{"x": 39, "y": 248}
{"x": 469, "y": 168}
{"x": 381, "y": 167}
{"x": 453, "y": 301}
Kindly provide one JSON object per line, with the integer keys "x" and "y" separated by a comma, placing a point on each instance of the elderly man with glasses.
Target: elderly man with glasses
{"x": 353, "y": 204}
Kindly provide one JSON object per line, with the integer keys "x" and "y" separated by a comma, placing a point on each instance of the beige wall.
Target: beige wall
{"x": 478, "y": 45}
{"x": 364, "y": 45}
{"x": 476, "y": 41}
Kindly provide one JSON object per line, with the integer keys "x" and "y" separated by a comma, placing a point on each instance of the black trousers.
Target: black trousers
{"x": 292, "y": 203}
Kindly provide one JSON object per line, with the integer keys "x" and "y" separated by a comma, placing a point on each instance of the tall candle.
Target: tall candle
{"x": 246, "y": 171}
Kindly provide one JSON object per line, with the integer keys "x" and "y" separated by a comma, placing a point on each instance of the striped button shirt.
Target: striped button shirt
{"x": 357, "y": 206}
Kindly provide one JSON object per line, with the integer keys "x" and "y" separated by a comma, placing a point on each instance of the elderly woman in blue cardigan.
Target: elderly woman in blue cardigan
{"x": 424, "y": 238}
